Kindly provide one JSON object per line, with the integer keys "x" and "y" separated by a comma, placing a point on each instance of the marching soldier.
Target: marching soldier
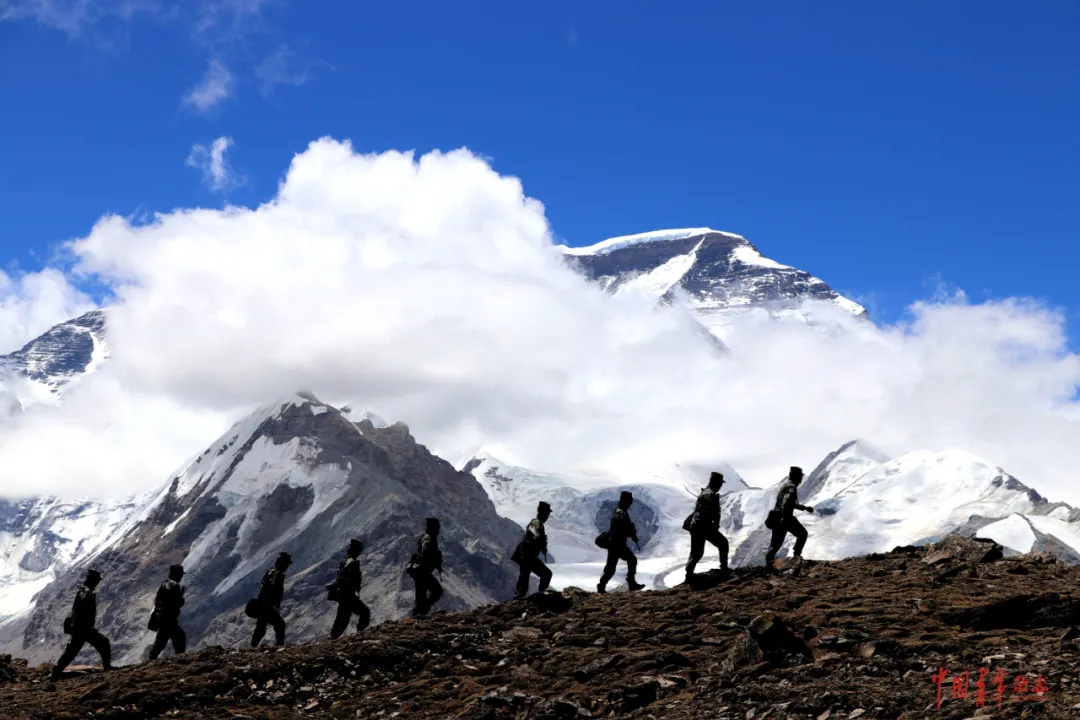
{"x": 705, "y": 526}
{"x": 621, "y": 529}
{"x": 271, "y": 592}
{"x": 534, "y": 543}
{"x": 167, "y": 604}
{"x": 348, "y": 583}
{"x": 81, "y": 626}
{"x": 787, "y": 502}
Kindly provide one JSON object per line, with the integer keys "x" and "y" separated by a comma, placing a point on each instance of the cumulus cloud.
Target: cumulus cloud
{"x": 216, "y": 86}
{"x": 217, "y": 174}
{"x": 428, "y": 290}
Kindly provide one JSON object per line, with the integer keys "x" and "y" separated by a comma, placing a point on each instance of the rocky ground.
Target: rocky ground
{"x": 860, "y": 638}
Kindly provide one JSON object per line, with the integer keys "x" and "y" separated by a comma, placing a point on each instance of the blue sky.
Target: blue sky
{"x": 882, "y": 147}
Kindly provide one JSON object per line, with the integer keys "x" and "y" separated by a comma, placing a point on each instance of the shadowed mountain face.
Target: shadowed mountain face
{"x": 63, "y": 352}
{"x": 296, "y": 477}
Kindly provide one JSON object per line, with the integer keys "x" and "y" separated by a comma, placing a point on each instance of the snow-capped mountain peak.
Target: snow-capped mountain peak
{"x": 721, "y": 277}
{"x": 625, "y": 241}
{"x": 37, "y": 372}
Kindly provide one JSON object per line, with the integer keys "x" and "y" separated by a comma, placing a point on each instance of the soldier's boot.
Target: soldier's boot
{"x": 634, "y": 585}
{"x": 57, "y": 671}
{"x": 600, "y": 587}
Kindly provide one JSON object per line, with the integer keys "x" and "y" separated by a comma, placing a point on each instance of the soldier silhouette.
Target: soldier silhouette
{"x": 81, "y": 625}
{"x": 271, "y": 592}
{"x": 166, "y": 615}
{"x": 347, "y": 587}
{"x": 425, "y": 561}
{"x": 528, "y": 551}
{"x": 621, "y": 530}
{"x": 704, "y": 526}
{"x": 782, "y": 519}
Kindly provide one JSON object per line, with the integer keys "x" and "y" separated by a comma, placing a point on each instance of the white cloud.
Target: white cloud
{"x": 428, "y": 290}
{"x": 217, "y": 174}
{"x": 216, "y": 86}
{"x": 283, "y": 67}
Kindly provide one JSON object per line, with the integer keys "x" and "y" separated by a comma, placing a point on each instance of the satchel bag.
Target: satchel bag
{"x": 518, "y": 553}
{"x": 688, "y": 522}
{"x": 772, "y": 520}
{"x": 69, "y": 625}
{"x": 603, "y": 540}
{"x": 252, "y": 608}
{"x": 155, "y": 621}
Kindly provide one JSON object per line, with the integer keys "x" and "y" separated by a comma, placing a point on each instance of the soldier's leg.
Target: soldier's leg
{"x": 260, "y": 631}
{"x": 544, "y": 573}
{"x": 164, "y": 633}
{"x": 631, "y": 564}
{"x": 795, "y": 528}
{"x": 717, "y": 538}
{"x": 522, "y": 588}
{"x": 609, "y": 568}
{"x": 697, "y": 549}
{"x": 279, "y": 627}
{"x": 100, "y": 643}
{"x": 341, "y": 620}
{"x": 73, "y": 647}
{"x": 364, "y": 613}
{"x": 778, "y": 534}
{"x": 435, "y": 592}
{"x": 179, "y": 639}
{"x": 420, "y": 604}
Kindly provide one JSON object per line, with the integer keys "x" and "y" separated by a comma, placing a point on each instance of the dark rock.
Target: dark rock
{"x": 775, "y": 639}
{"x": 597, "y": 666}
{"x": 639, "y": 695}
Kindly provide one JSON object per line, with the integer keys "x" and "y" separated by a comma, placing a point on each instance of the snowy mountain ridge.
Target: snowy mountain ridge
{"x": 719, "y": 276}
{"x": 40, "y": 370}
{"x": 41, "y": 537}
{"x": 864, "y": 502}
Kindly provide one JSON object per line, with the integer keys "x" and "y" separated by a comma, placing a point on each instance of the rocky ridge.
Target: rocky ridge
{"x": 865, "y": 637}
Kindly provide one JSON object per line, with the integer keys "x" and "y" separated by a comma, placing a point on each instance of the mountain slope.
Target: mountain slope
{"x": 294, "y": 476}
{"x": 719, "y": 276}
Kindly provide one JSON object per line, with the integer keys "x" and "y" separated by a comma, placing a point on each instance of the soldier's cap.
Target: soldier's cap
{"x": 796, "y": 470}
{"x": 354, "y": 541}
{"x": 717, "y": 476}
{"x": 176, "y": 569}
{"x": 285, "y": 558}
{"x": 433, "y": 521}
{"x": 93, "y": 574}
{"x": 626, "y": 495}
{"x": 543, "y": 506}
